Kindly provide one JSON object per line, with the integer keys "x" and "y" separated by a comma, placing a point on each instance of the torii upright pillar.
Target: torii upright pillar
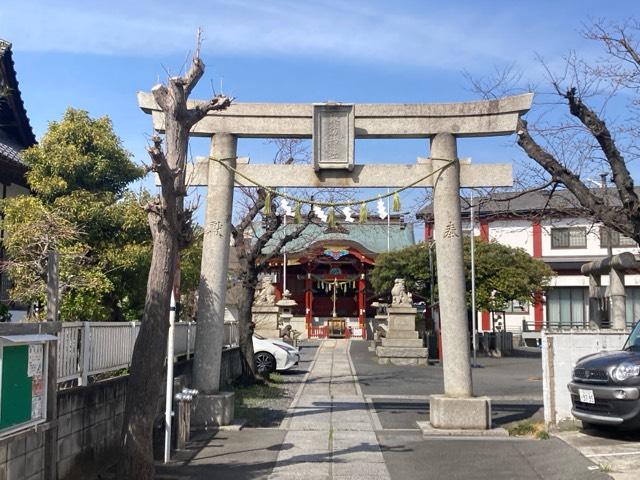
{"x": 213, "y": 407}
{"x": 457, "y": 408}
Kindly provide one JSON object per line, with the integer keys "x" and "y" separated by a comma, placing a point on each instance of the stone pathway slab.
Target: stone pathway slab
{"x": 330, "y": 433}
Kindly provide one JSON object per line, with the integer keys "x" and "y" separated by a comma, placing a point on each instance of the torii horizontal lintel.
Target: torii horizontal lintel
{"x": 422, "y": 120}
{"x": 363, "y": 176}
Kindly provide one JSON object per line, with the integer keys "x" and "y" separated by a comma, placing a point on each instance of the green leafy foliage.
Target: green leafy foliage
{"x": 411, "y": 263}
{"x": 79, "y": 153}
{"x": 80, "y": 208}
{"x": 503, "y": 273}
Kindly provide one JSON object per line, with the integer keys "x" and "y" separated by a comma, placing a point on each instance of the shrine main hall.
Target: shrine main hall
{"x": 328, "y": 271}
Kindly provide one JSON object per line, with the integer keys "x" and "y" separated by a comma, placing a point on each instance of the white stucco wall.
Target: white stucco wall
{"x": 560, "y": 352}
{"x": 515, "y": 233}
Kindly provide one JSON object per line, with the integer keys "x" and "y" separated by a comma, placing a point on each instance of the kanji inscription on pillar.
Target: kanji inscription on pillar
{"x": 215, "y": 227}
{"x": 333, "y": 136}
{"x": 450, "y": 231}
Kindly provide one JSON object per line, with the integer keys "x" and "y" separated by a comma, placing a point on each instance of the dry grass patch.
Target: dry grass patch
{"x": 529, "y": 428}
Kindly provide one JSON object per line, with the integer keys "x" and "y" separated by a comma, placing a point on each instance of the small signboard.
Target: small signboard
{"x": 23, "y": 381}
{"x": 35, "y": 360}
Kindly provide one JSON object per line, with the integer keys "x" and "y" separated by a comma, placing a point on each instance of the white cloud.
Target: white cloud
{"x": 355, "y": 31}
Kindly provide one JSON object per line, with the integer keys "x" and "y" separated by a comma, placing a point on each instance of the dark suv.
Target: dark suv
{"x": 606, "y": 386}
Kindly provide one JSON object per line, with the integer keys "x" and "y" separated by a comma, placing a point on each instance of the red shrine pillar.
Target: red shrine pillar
{"x": 278, "y": 286}
{"x": 362, "y": 308}
{"x": 308, "y": 302}
{"x": 538, "y": 315}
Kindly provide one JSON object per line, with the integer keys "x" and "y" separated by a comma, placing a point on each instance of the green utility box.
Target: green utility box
{"x": 23, "y": 380}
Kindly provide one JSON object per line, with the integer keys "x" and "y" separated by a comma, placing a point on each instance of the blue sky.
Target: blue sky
{"x": 95, "y": 56}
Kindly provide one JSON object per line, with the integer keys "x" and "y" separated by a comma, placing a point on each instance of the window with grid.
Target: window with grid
{"x": 516, "y": 306}
{"x": 617, "y": 239}
{"x": 570, "y": 237}
{"x": 567, "y": 307}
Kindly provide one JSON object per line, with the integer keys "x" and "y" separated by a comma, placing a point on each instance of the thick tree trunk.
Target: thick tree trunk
{"x": 245, "y": 325}
{"x": 171, "y": 230}
{"x": 148, "y": 364}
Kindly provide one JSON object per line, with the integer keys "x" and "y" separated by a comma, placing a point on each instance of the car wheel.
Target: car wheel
{"x": 265, "y": 362}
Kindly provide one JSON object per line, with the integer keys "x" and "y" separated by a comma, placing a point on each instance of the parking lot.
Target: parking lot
{"x": 399, "y": 397}
{"x": 616, "y": 452}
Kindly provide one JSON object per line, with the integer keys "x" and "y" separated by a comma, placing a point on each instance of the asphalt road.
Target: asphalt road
{"x": 400, "y": 394}
{"x": 410, "y": 457}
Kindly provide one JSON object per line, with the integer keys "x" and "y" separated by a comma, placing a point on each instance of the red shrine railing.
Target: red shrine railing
{"x": 322, "y": 331}
{"x": 318, "y": 332}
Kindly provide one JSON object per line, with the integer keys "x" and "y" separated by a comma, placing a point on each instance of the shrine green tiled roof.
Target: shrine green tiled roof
{"x": 372, "y": 236}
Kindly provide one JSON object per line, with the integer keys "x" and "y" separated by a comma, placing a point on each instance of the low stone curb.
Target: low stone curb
{"x": 429, "y": 431}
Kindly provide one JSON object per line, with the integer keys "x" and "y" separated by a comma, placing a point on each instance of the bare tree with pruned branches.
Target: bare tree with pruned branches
{"x": 171, "y": 229}
{"x": 576, "y": 135}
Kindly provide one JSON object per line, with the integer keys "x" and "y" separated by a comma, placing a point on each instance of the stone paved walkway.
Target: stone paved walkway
{"x": 330, "y": 432}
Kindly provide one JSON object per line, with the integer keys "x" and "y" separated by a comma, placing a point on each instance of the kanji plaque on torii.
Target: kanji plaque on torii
{"x": 333, "y": 136}
{"x": 442, "y": 124}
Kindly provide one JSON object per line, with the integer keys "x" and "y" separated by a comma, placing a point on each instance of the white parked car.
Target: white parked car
{"x": 271, "y": 355}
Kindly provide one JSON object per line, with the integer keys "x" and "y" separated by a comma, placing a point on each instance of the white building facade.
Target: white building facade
{"x": 553, "y": 232}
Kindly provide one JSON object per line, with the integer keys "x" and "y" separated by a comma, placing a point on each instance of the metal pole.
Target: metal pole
{"x": 388, "y": 224}
{"x": 169, "y": 395}
{"x": 432, "y": 297}
{"x": 603, "y": 182}
{"x": 284, "y": 258}
{"x": 474, "y": 316}
{"x": 53, "y": 286}
{"x": 335, "y": 285}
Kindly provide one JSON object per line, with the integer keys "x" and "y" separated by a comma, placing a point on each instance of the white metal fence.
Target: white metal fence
{"x": 89, "y": 348}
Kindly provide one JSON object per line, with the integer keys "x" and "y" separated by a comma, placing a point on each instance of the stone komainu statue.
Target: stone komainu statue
{"x": 399, "y": 294}
{"x": 266, "y": 295}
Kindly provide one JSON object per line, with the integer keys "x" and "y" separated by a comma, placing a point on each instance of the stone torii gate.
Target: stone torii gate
{"x": 334, "y": 128}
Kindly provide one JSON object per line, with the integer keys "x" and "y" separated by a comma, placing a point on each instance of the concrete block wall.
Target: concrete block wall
{"x": 89, "y": 425}
{"x": 22, "y": 456}
{"x": 561, "y": 350}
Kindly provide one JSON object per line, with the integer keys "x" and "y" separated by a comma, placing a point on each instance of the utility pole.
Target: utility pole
{"x": 474, "y": 316}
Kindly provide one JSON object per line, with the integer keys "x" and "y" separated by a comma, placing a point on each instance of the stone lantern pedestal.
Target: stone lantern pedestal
{"x": 285, "y": 306}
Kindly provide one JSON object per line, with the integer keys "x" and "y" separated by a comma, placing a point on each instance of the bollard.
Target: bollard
{"x": 183, "y": 417}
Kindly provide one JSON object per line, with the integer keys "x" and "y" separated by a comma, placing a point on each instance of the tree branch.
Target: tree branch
{"x": 599, "y": 130}
{"x": 161, "y": 96}
{"x": 159, "y": 163}
{"x": 594, "y": 204}
{"x": 197, "y": 113}
{"x": 286, "y": 239}
{"x": 249, "y": 217}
